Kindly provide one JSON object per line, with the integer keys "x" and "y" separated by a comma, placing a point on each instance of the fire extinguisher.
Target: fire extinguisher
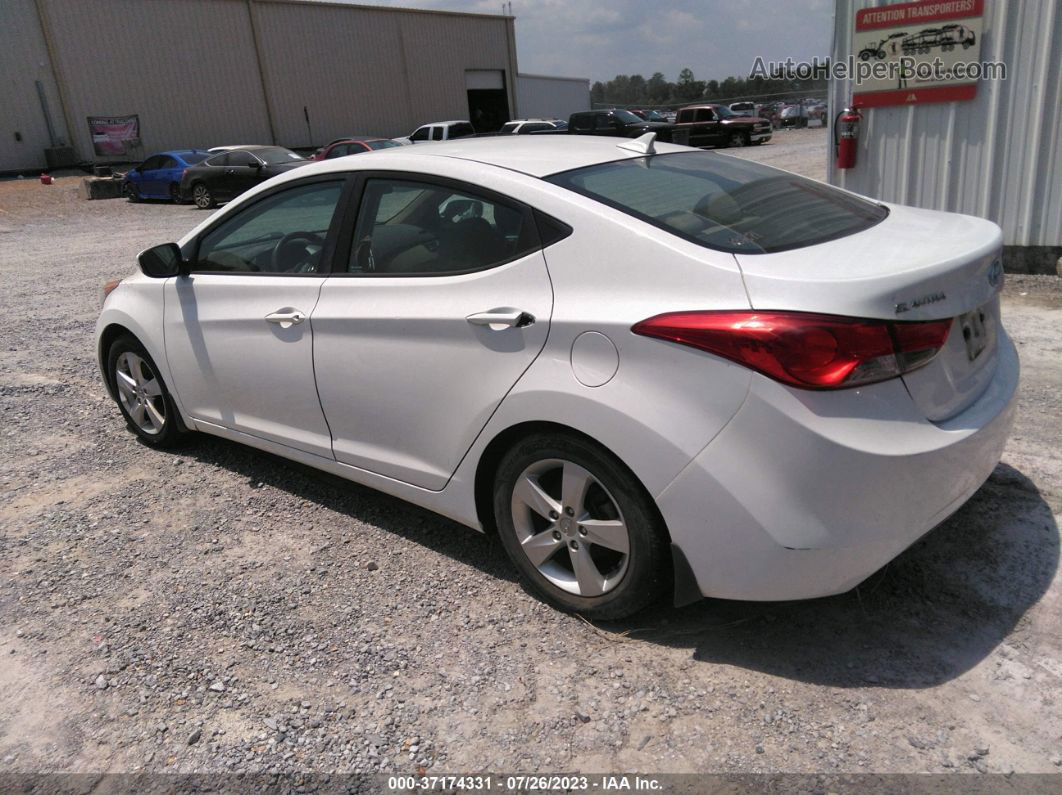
{"x": 846, "y": 137}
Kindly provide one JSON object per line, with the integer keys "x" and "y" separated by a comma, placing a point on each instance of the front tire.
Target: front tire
{"x": 202, "y": 197}
{"x": 131, "y": 193}
{"x": 736, "y": 140}
{"x": 580, "y": 528}
{"x": 142, "y": 395}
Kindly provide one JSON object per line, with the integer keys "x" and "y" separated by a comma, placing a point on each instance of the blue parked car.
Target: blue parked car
{"x": 159, "y": 177}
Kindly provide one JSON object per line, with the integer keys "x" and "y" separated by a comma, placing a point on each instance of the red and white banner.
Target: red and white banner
{"x": 922, "y": 50}
{"x": 114, "y": 135}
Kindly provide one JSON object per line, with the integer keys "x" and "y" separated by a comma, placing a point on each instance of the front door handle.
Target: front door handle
{"x": 286, "y": 317}
{"x": 502, "y": 317}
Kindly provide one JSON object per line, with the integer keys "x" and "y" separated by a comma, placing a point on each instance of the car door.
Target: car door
{"x": 169, "y": 173}
{"x": 441, "y": 305}
{"x": 150, "y": 176}
{"x": 242, "y": 172}
{"x": 707, "y": 129}
{"x": 238, "y": 338}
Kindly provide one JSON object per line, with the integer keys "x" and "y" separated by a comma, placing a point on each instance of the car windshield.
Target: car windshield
{"x": 724, "y": 203}
{"x": 277, "y": 154}
{"x": 191, "y": 158}
{"x": 627, "y": 117}
{"x": 381, "y": 144}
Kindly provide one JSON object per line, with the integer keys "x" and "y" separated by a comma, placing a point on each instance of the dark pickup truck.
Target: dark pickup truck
{"x": 619, "y": 123}
{"x": 717, "y": 125}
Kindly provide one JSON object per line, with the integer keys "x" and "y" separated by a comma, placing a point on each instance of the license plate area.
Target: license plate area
{"x": 978, "y": 331}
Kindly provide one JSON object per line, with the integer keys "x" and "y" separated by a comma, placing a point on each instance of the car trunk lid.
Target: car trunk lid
{"x": 914, "y": 265}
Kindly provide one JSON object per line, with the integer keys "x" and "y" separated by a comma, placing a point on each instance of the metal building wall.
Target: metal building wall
{"x": 23, "y": 61}
{"x": 188, "y": 69}
{"x": 542, "y": 97}
{"x": 371, "y": 71}
{"x": 203, "y": 73}
{"x": 997, "y": 156}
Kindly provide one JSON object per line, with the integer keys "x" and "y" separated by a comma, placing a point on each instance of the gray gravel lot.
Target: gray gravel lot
{"x": 219, "y": 609}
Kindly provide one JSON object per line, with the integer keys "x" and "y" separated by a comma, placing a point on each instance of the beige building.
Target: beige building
{"x": 203, "y": 73}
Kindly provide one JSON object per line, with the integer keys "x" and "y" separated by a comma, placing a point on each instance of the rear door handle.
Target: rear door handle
{"x": 286, "y": 317}
{"x": 501, "y": 318}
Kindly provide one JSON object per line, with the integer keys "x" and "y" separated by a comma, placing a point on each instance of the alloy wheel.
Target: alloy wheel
{"x": 736, "y": 139}
{"x": 140, "y": 392}
{"x": 202, "y": 197}
{"x": 570, "y": 528}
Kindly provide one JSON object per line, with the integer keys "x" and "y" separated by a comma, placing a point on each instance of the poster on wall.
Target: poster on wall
{"x": 913, "y": 53}
{"x": 114, "y": 135}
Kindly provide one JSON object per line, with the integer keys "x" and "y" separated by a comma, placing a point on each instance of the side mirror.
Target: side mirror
{"x": 256, "y": 164}
{"x": 160, "y": 262}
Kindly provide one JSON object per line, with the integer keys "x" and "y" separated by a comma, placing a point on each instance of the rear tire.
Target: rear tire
{"x": 175, "y": 193}
{"x": 141, "y": 394}
{"x": 605, "y": 553}
{"x": 202, "y": 197}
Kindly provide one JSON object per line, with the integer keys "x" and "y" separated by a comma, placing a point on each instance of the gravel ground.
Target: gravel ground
{"x": 218, "y": 609}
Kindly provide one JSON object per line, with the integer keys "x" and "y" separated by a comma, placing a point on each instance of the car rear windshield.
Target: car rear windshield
{"x": 724, "y": 203}
{"x": 276, "y": 155}
{"x": 191, "y": 158}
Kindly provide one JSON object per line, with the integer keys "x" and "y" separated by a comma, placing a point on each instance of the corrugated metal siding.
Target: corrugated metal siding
{"x": 996, "y": 156}
{"x": 23, "y": 61}
{"x": 190, "y": 70}
{"x": 187, "y": 68}
{"x": 370, "y": 71}
{"x": 541, "y": 97}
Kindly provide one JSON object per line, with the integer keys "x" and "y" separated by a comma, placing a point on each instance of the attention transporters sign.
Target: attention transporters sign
{"x": 918, "y": 52}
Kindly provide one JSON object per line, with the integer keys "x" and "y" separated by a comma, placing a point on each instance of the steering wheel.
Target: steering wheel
{"x": 276, "y": 259}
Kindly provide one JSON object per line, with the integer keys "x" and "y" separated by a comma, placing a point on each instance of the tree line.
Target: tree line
{"x": 658, "y": 90}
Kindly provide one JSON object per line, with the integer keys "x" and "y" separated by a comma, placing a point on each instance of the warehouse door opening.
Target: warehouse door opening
{"x": 488, "y": 101}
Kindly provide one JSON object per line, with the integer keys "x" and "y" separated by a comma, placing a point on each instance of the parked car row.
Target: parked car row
{"x": 209, "y": 176}
{"x": 221, "y": 173}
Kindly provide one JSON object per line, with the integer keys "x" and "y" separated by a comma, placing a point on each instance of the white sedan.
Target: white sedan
{"x": 646, "y": 368}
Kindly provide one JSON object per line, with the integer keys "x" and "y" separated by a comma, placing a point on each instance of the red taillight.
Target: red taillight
{"x": 805, "y": 350}
{"x": 184, "y": 173}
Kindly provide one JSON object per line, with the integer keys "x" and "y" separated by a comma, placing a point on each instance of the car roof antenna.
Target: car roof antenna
{"x": 643, "y": 145}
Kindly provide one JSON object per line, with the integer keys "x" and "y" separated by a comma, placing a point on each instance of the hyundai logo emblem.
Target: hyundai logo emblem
{"x": 995, "y": 273}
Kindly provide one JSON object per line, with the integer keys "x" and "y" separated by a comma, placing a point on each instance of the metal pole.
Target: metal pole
{"x": 47, "y": 114}
{"x": 261, "y": 72}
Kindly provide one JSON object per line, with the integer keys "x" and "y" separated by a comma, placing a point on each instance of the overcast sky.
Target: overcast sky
{"x": 599, "y": 39}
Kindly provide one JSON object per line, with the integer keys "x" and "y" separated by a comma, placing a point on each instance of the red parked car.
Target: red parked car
{"x": 352, "y": 146}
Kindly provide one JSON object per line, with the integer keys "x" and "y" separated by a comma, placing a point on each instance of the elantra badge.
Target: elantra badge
{"x": 932, "y": 298}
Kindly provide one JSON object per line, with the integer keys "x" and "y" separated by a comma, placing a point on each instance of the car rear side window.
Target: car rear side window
{"x": 724, "y": 203}
{"x": 411, "y": 228}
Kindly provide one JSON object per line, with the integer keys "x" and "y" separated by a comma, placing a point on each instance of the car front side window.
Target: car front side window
{"x": 406, "y": 228}
{"x": 283, "y": 233}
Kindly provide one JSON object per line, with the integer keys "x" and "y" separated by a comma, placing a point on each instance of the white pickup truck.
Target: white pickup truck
{"x": 439, "y": 131}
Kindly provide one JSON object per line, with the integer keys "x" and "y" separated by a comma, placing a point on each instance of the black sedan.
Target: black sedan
{"x": 228, "y": 174}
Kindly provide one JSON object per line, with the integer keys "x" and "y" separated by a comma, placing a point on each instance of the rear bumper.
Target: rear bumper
{"x": 805, "y": 494}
